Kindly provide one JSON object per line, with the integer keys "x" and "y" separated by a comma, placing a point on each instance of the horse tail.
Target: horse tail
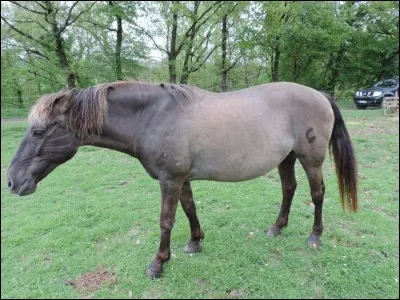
{"x": 345, "y": 161}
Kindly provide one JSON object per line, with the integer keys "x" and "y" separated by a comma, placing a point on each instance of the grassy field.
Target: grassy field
{"x": 97, "y": 217}
{"x": 13, "y": 112}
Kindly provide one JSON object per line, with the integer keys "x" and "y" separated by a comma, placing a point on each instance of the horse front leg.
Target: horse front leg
{"x": 170, "y": 192}
{"x": 189, "y": 207}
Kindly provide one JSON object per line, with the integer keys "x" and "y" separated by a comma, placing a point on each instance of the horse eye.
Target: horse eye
{"x": 38, "y": 132}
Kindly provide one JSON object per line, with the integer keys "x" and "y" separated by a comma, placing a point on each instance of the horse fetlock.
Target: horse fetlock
{"x": 197, "y": 235}
{"x": 162, "y": 256}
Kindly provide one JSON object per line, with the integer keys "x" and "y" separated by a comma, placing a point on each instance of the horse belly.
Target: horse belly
{"x": 238, "y": 155}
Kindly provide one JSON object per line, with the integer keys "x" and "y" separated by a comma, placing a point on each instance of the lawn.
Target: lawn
{"x": 14, "y": 112}
{"x": 97, "y": 216}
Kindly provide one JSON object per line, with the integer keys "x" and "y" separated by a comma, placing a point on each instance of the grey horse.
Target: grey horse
{"x": 181, "y": 133}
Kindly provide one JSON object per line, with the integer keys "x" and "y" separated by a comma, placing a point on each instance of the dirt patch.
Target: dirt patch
{"x": 92, "y": 281}
{"x": 47, "y": 258}
{"x": 204, "y": 286}
{"x": 235, "y": 294}
{"x": 318, "y": 293}
{"x": 386, "y": 212}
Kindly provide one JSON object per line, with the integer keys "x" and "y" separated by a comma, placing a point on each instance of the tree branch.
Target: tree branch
{"x": 37, "y": 53}
{"x": 68, "y": 22}
{"x": 232, "y": 65}
{"x": 28, "y": 9}
{"x": 62, "y": 28}
{"x": 32, "y": 21}
{"x": 141, "y": 30}
{"x": 38, "y": 74}
{"x": 207, "y": 39}
{"x": 100, "y": 25}
{"x": 385, "y": 32}
{"x": 36, "y": 67}
{"x": 24, "y": 34}
{"x": 204, "y": 60}
{"x": 41, "y": 5}
{"x": 233, "y": 9}
{"x": 187, "y": 33}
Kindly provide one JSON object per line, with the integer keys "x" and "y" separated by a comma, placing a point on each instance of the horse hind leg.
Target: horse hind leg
{"x": 313, "y": 170}
{"x": 288, "y": 180}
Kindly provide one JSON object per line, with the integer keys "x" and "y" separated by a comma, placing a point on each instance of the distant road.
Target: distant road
{"x": 14, "y": 121}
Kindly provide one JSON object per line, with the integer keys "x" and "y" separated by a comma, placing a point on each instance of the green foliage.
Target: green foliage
{"x": 337, "y": 46}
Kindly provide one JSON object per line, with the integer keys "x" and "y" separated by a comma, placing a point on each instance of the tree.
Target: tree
{"x": 230, "y": 10}
{"x": 180, "y": 36}
{"x": 51, "y": 20}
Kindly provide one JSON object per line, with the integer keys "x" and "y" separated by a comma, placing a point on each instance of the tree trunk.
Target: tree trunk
{"x": 59, "y": 47}
{"x": 185, "y": 75}
{"x": 71, "y": 80}
{"x": 188, "y": 57}
{"x": 19, "y": 96}
{"x": 39, "y": 86}
{"x": 62, "y": 56}
{"x": 277, "y": 51}
{"x": 172, "y": 68}
{"x": 336, "y": 67}
{"x": 189, "y": 52}
{"x": 295, "y": 68}
{"x": 246, "y": 77}
{"x": 118, "y": 46}
{"x": 275, "y": 64}
{"x": 224, "y": 70}
{"x": 172, "y": 54}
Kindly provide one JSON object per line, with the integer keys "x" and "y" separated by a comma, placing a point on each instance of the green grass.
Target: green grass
{"x": 101, "y": 208}
{"x": 14, "y": 112}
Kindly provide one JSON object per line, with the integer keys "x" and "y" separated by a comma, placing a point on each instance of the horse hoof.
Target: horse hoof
{"x": 314, "y": 242}
{"x": 192, "y": 247}
{"x": 153, "y": 271}
{"x": 273, "y": 231}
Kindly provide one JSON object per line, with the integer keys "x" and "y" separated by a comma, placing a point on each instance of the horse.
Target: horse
{"x": 181, "y": 133}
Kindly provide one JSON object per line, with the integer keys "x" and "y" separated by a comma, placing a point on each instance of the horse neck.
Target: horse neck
{"x": 127, "y": 114}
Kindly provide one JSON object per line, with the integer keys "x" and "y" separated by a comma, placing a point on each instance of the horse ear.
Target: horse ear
{"x": 63, "y": 101}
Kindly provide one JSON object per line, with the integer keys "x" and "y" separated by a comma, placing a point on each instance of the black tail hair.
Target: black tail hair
{"x": 345, "y": 161}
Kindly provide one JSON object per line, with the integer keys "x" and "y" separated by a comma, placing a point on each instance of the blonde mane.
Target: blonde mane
{"x": 87, "y": 111}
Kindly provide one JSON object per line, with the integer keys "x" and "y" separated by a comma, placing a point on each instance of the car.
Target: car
{"x": 374, "y": 95}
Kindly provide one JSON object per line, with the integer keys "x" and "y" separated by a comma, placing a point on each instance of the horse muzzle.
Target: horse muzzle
{"x": 23, "y": 187}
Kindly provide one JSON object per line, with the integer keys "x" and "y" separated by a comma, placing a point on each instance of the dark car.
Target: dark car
{"x": 373, "y": 96}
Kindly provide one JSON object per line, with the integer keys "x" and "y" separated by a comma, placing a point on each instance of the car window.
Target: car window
{"x": 386, "y": 84}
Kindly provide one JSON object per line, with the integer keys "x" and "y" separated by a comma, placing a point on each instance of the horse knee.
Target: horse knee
{"x": 166, "y": 225}
{"x": 318, "y": 194}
